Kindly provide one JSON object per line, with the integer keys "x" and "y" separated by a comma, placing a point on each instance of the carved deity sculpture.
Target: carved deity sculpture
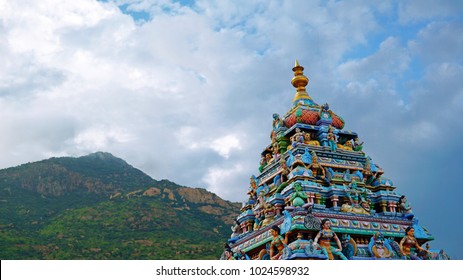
{"x": 298, "y": 138}
{"x": 236, "y": 229}
{"x": 331, "y": 137}
{"x": 325, "y": 113}
{"x": 276, "y": 151}
{"x": 278, "y": 243}
{"x": 269, "y": 214}
{"x": 348, "y": 248}
{"x": 324, "y": 238}
{"x": 368, "y": 175}
{"x": 358, "y": 200}
{"x": 316, "y": 168}
{"x": 277, "y": 121}
{"x": 358, "y": 146}
{"x": 405, "y": 207}
{"x": 408, "y": 242}
{"x": 309, "y": 141}
{"x": 252, "y": 188}
{"x": 379, "y": 246}
{"x": 298, "y": 197}
{"x": 348, "y": 146}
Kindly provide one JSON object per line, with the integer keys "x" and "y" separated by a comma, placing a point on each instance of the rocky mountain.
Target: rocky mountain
{"x": 100, "y": 207}
{"x": 99, "y": 173}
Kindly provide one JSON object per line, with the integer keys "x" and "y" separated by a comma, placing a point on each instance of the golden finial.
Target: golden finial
{"x": 299, "y": 81}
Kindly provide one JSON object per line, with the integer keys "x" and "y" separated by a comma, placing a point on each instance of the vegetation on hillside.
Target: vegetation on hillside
{"x": 99, "y": 207}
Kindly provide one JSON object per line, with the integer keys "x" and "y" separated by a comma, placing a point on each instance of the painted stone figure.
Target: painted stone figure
{"x": 358, "y": 200}
{"x": 408, "y": 242}
{"x": 324, "y": 238}
{"x": 316, "y": 168}
{"x": 379, "y": 246}
{"x": 298, "y": 198}
{"x": 331, "y": 137}
{"x": 298, "y": 138}
{"x": 357, "y": 146}
{"x": 278, "y": 243}
{"x": 277, "y": 121}
{"x": 405, "y": 207}
{"x": 309, "y": 140}
{"x": 348, "y": 249}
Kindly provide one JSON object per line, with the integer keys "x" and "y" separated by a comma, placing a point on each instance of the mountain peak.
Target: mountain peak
{"x": 100, "y": 173}
{"x": 101, "y": 155}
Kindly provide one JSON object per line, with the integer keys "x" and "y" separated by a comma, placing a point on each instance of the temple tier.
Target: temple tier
{"x": 319, "y": 196}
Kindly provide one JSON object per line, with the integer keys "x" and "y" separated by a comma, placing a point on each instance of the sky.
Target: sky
{"x": 185, "y": 90}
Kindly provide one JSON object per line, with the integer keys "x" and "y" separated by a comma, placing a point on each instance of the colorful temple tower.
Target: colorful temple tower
{"x": 319, "y": 196}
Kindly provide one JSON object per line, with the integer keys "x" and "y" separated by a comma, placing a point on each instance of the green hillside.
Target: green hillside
{"x": 100, "y": 207}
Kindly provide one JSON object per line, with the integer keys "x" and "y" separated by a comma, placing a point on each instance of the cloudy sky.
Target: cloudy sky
{"x": 185, "y": 90}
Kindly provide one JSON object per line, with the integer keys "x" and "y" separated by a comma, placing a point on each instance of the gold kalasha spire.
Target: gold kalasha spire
{"x": 299, "y": 81}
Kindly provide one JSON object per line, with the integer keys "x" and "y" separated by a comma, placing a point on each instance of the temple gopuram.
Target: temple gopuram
{"x": 318, "y": 196}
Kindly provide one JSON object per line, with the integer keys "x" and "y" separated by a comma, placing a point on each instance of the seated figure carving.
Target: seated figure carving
{"x": 358, "y": 200}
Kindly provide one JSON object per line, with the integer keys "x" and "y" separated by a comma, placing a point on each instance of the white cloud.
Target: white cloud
{"x": 439, "y": 42}
{"x": 419, "y": 10}
{"x": 419, "y": 132}
{"x": 224, "y": 145}
{"x": 190, "y": 137}
{"x": 220, "y": 180}
{"x": 100, "y": 138}
{"x": 391, "y": 59}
